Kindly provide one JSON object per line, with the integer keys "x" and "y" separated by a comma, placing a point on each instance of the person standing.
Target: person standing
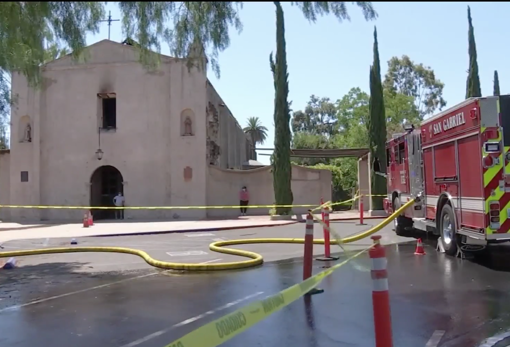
{"x": 244, "y": 199}
{"x": 119, "y": 201}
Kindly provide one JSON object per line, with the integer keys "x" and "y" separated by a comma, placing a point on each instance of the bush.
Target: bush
{"x": 344, "y": 175}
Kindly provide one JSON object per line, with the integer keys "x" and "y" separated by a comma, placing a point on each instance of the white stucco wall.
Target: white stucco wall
{"x": 4, "y": 184}
{"x": 147, "y": 146}
{"x": 308, "y": 187}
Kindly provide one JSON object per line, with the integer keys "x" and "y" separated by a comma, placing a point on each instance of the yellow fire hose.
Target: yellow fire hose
{"x": 256, "y": 259}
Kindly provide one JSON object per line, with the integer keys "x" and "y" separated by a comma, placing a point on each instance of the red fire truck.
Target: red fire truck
{"x": 457, "y": 167}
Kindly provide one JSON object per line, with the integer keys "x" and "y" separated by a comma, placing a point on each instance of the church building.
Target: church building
{"x": 107, "y": 125}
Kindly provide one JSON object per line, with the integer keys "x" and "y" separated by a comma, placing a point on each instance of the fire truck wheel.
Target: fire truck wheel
{"x": 401, "y": 224}
{"x": 447, "y": 230}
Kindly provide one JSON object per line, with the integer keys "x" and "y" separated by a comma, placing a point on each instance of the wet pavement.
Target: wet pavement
{"x": 117, "y": 300}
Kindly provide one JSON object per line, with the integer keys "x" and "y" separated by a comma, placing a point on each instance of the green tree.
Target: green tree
{"x": 55, "y": 52}
{"x": 400, "y": 109}
{"x": 282, "y": 170}
{"x": 409, "y": 78}
{"x": 183, "y": 23}
{"x": 352, "y": 111}
{"x": 28, "y": 28}
{"x": 473, "y": 88}
{"x": 257, "y": 132}
{"x": 318, "y": 117}
{"x": 496, "y": 83}
{"x": 282, "y": 173}
{"x": 377, "y": 129}
{"x": 25, "y": 28}
{"x": 306, "y": 140}
{"x": 352, "y": 132}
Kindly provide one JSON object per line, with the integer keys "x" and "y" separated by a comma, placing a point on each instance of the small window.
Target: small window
{"x": 107, "y": 108}
{"x": 401, "y": 152}
{"x": 24, "y": 176}
{"x": 109, "y": 113}
{"x": 397, "y": 154}
{"x": 388, "y": 157}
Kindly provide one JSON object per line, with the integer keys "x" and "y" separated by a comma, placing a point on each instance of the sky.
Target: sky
{"x": 328, "y": 58}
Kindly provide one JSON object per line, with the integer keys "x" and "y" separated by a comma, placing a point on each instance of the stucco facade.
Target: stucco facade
{"x": 57, "y": 129}
{"x": 170, "y": 143}
{"x": 309, "y": 186}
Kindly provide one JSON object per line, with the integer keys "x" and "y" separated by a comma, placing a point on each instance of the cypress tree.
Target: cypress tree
{"x": 282, "y": 170}
{"x": 377, "y": 129}
{"x": 496, "y": 83}
{"x": 473, "y": 88}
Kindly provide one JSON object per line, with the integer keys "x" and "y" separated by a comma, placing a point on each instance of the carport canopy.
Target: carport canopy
{"x": 325, "y": 153}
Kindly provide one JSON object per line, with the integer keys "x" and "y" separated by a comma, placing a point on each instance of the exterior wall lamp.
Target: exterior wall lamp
{"x": 99, "y": 152}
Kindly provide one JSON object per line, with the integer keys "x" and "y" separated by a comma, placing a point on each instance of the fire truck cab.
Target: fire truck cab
{"x": 457, "y": 168}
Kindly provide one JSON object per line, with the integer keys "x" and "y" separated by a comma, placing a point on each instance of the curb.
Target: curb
{"x": 225, "y": 228}
{"x": 195, "y": 230}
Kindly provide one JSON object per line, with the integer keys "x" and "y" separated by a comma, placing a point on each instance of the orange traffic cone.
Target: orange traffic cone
{"x": 419, "y": 248}
{"x": 85, "y": 220}
{"x": 91, "y": 220}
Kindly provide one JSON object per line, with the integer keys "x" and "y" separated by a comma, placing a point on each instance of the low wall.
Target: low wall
{"x": 223, "y": 186}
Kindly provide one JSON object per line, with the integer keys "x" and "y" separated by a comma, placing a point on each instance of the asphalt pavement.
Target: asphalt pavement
{"x": 102, "y": 299}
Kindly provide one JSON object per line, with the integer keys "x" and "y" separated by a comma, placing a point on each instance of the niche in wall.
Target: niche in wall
{"x": 187, "y": 123}
{"x": 25, "y": 131}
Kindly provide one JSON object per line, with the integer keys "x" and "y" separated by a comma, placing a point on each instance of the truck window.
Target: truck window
{"x": 397, "y": 154}
{"x": 401, "y": 152}
{"x": 504, "y": 107}
{"x": 388, "y": 157}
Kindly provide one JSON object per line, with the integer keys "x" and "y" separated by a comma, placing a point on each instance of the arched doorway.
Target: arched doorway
{"x": 105, "y": 183}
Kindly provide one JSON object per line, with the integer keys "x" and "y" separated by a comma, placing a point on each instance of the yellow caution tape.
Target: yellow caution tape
{"x": 320, "y": 207}
{"x": 344, "y": 202}
{"x": 338, "y": 240}
{"x": 223, "y": 329}
{"x": 174, "y": 207}
{"x": 146, "y": 207}
{"x": 219, "y": 246}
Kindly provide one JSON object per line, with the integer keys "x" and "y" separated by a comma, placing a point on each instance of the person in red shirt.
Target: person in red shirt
{"x": 244, "y": 199}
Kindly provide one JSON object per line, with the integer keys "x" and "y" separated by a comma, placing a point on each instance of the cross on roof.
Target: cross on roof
{"x": 109, "y": 21}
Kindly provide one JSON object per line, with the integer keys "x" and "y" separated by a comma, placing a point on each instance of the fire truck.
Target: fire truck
{"x": 456, "y": 166}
